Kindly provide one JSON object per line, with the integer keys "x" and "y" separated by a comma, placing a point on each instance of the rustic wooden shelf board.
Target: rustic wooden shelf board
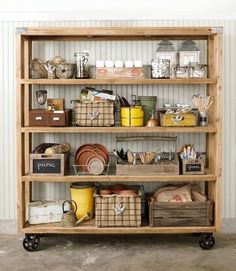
{"x": 120, "y": 81}
{"x": 120, "y": 178}
{"x": 96, "y": 130}
{"x": 90, "y": 229}
{"x": 91, "y": 32}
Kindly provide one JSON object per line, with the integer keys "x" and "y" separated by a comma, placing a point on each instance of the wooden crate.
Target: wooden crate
{"x": 192, "y": 166}
{"x": 180, "y": 214}
{"x": 118, "y": 211}
{"x": 164, "y": 168}
{"x": 179, "y": 120}
{"x": 134, "y": 73}
{"x": 42, "y": 164}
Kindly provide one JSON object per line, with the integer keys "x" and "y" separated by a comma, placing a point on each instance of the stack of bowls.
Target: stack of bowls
{"x": 92, "y": 158}
{"x": 118, "y": 189}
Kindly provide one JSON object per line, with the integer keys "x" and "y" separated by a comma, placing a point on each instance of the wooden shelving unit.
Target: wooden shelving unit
{"x": 212, "y": 177}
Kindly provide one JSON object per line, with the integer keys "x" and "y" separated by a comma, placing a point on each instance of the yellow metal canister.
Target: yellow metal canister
{"x": 82, "y": 194}
{"x": 132, "y": 116}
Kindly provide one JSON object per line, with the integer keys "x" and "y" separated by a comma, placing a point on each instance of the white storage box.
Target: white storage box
{"x": 46, "y": 211}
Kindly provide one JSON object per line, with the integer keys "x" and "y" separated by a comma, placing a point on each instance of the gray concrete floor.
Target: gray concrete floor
{"x": 118, "y": 253}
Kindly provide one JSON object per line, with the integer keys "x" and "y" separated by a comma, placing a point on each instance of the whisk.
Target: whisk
{"x": 202, "y": 103}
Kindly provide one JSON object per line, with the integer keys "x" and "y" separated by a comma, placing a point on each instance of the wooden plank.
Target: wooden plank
{"x": 219, "y": 110}
{"x": 147, "y": 81}
{"x": 117, "y": 178}
{"x": 83, "y": 229}
{"x": 170, "y": 168}
{"x": 114, "y": 38}
{"x": 96, "y": 130}
{"x": 214, "y": 141}
{"x": 179, "y": 213}
{"x": 180, "y": 222}
{"x": 26, "y": 151}
{"x": 121, "y": 32}
{"x": 27, "y": 88}
{"x": 19, "y": 124}
{"x": 179, "y": 205}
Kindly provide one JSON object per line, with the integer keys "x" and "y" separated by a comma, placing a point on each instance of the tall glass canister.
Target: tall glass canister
{"x": 82, "y": 65}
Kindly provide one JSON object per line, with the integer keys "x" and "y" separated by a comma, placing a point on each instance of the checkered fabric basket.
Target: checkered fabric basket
{"x": 118, "y": 211}
{"x": 94, "y": 114}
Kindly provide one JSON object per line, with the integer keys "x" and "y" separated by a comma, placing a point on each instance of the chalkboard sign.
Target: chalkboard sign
{"x": 47, "y": 164}
{"x": 193, "y": 167}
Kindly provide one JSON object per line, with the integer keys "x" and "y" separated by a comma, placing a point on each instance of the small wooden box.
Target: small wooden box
{"x": 41, "y": 117}
{"x": 42, "y": 164}
{"x": 192, "y": 166}
{"x": 118, "y": 211}
{"x": 182, "y": 119}
{"x": 134, "y": 73}
{"x": 180, "y": 214}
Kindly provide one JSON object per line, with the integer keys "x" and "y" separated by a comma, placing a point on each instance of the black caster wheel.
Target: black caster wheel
{"x": 31, "y": 242}
{"x": 206, "y": 241}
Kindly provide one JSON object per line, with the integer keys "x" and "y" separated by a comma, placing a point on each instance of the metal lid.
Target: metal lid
{"x": 165, "y": 46}
{"x": 86, "y": 52}
{"x": 81, "y": 185}
{"x": 188, "y": 45}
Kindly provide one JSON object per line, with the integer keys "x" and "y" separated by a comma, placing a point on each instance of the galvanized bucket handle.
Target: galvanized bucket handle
{"x": 148, "y": 138}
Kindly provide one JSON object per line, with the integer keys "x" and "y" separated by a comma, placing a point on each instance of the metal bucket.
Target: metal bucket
{"x": 149, "y": 105}
{"x": 82, "y": 194}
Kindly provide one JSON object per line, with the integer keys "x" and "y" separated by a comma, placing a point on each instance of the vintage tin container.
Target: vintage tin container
{"x": 132, "y": 116}
{"x": 182, "y": 119}
{"x": 39, "y": 212}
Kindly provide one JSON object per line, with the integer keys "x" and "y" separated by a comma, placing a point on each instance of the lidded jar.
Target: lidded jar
{"x": 82, "y": 65}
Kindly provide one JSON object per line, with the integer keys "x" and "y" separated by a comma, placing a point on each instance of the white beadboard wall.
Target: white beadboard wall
{"x": 109, "y": 50}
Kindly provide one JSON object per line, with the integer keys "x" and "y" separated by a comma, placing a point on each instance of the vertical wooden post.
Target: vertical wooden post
{"x": 19, "y": 124}
{"x": 214, "y": 141}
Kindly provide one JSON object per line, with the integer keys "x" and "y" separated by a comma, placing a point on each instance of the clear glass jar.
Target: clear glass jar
{"x": 160, "y": 68}
{"x": 197, "y": 70}
{"x": 181, "y": 71}
{"x": 82, "y": 65}
{"x": 169, "y": 109}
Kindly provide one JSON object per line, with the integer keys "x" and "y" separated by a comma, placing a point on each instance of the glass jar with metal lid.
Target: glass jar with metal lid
{"x": 82, "y": 67}
{"x": 197, "y": 70}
